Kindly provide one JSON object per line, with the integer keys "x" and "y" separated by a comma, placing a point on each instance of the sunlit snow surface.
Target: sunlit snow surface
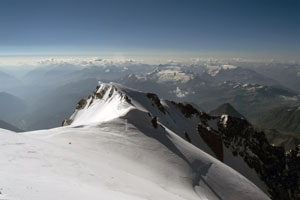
{"x": 122, "y": 158}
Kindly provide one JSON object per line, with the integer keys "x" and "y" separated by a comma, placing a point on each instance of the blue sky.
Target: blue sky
{"x": 241, "y": 27}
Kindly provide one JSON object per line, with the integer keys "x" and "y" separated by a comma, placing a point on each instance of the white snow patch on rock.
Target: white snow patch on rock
{"x": 224, "y": 119}
{"x": 180, "y": 93}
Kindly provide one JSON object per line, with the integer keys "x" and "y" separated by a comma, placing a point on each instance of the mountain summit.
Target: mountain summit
{"x": 230, "y": 139}
{"x": 120, "y": 144}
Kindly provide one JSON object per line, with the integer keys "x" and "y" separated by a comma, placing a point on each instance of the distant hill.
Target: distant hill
{"x": 278, "y": 138}
{"x": 281, "y": 118}
{"x": 7, "y": 81}
{"x": 8, "y": 126}
{"x": 287, "y": 74}
{"x": 12, "y": 108}
{"x": 56, "y": 104}
{"x": 10, "y": 104}
{"x": 226, "y": 108}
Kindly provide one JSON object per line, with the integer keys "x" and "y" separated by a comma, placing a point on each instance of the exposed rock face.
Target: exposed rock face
{"x": 187, "y": 137}
{"x": 157, "y": 102}
{"x": 214, "y": 141}
{"x": 66, "y": 122}
{"x": 186, "y": 109}
{"x": 154, "y": 122}
{"x": 81, "y": 104}
{"x": 277, "y": 169}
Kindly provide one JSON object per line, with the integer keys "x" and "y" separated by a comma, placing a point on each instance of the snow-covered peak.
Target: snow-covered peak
{"x": 107, "y": 102}
{"x": 214, "y": 70}
{"x": 166, "y": 75}
{"x": 164, "y": 120}
{"x": 171, "y": 75}
{"x": 229, "y": 67}
{"x": 112, "y": 100}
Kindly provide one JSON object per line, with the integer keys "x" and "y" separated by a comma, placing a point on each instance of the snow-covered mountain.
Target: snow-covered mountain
{"x": 231, "y": 140}
{"x": 238, "y": 74}
{"x": 185, "y": 83}
{"x": 121, "y": 144}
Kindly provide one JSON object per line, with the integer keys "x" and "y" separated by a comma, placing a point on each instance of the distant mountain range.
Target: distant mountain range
{"x": 239, "y": 74}
{"x": 286, "y": 140}
{"x": 125, "y": 116}
{"x": 48, "y": 92}
{"x": 11, "y": 106}
{"x": 287, "y": 74}
{"x": 281, "y": 118}
{"x": 208, "y": 90}
{"x": 7, "y": 126}
{"x": 8, "y": 82}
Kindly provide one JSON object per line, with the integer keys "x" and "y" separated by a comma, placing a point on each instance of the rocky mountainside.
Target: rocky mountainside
{"x": 277, "y": 169}
{"x": 231, "y": 140}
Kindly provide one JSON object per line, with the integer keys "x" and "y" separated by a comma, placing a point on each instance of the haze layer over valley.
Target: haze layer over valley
{"x": 205, "y": 84}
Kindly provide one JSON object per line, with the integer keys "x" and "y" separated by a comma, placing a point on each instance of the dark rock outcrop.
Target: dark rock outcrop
{"x": 277, "y": 169}
{"x": 156, "y": 100}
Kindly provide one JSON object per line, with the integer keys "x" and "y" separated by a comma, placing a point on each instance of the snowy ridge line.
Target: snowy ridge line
{"x": 121, "y": 144}
{"x": 111, "y": 100}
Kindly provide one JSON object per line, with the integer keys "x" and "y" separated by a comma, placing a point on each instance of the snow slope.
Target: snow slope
{"x": 113, "y": 100}
{"x": 116, "y": 155}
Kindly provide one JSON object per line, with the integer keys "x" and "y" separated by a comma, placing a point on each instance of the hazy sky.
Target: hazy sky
{"x": 150, "y": 27}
